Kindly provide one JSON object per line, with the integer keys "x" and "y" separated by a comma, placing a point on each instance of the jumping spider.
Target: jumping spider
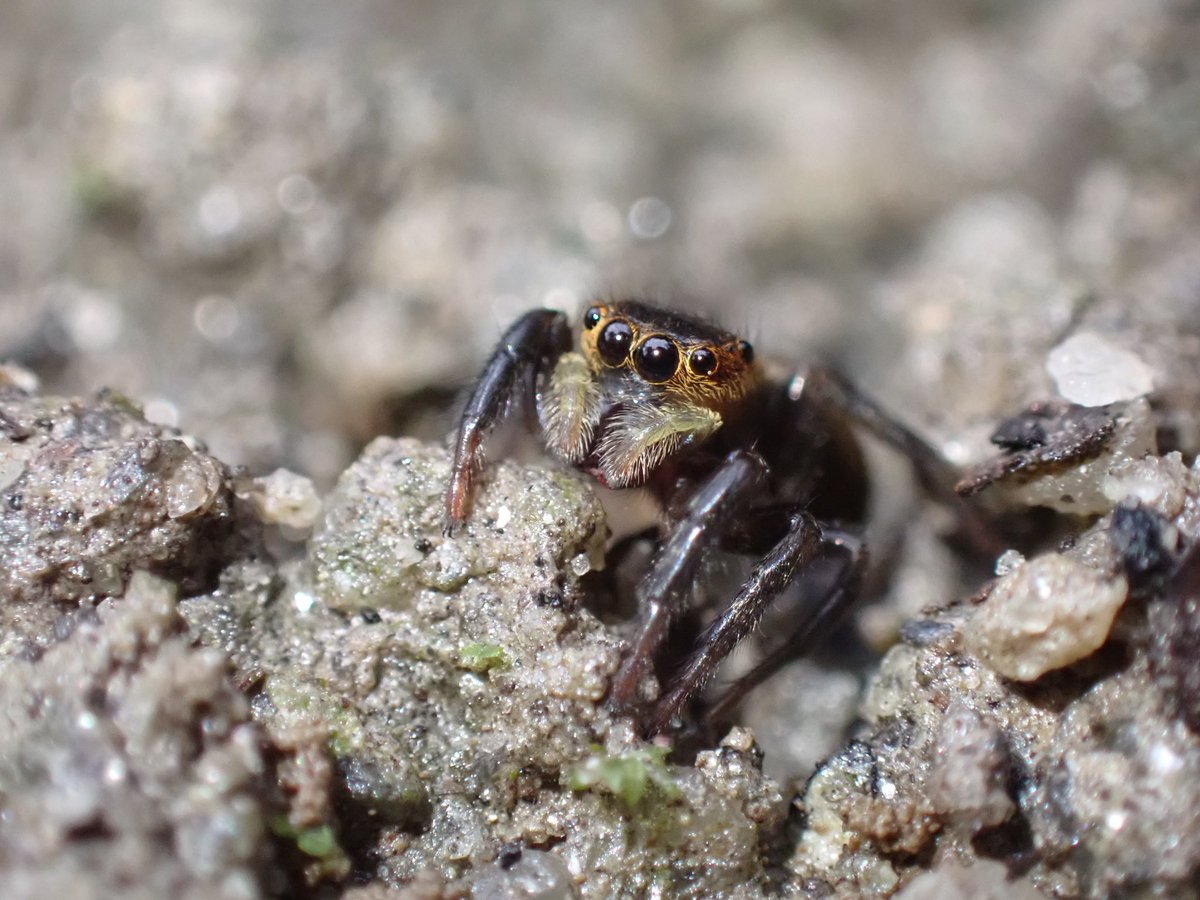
{"x": 739, "y": 462}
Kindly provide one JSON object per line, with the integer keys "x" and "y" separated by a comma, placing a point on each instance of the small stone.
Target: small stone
{"x": 192, "y": 487}
{"x": 1159, "y": 482}
{"x": 1073, "y": 456}
{"x": 1008, "y": 561}
{"x": 285, "y": 498}
{"x": 1145, "y": 541}
{"x": 503, "y": 517}
{"x": 740, "y": 739}
{"x": 967, "y": 784}
{"x": 19, "y": 377}
{"x": 12, "y": 464}
{"x": 536, "y": 875}
{"x": 985, "y": 880}
{"x": 1045, "y": 614}
{"x": 1092, "y": 371}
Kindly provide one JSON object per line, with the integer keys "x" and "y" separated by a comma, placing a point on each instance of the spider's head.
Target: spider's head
{"x": 688, "y": 361}
{"x": 646, "y": 384}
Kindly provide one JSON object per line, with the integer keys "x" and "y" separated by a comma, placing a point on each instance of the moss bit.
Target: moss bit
{"x": 483, "y": 658}
{"x": 628, "y": 776}
{"x": 320, "y": 844}
{"x": 318, "y": 841}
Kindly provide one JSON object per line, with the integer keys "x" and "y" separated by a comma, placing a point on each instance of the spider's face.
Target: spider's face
{"x": 645, "y": 385}
{"x": 663, "y": 354}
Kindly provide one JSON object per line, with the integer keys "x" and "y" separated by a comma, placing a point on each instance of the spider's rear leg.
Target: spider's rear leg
{"x": 936, "y": 475}
{"x": 666, "y": 588}
{"x": 526, "y": 349}
{"x": 803, "y": 542}
{"x": 814, "y": 620}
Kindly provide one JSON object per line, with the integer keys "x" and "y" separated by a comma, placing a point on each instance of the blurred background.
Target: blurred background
{"x": 289, "y": 226}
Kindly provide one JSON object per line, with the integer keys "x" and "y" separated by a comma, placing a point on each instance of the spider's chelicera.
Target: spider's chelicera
{"x": 740, "y": 462}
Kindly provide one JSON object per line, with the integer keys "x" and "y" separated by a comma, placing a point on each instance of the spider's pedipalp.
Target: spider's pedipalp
{"x": 569, "y": 408}
{"x": 641, "y": 436}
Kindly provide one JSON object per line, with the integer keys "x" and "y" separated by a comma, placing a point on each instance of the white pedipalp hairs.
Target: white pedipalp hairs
{"x": 569, "y": 408}
{"x": 641, "y": 436}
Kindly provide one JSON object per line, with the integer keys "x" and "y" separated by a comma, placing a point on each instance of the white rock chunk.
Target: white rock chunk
{"x": 1043, "y": 615}
{"x": 1090, "y": 370}
{"x": 284, "y": 498}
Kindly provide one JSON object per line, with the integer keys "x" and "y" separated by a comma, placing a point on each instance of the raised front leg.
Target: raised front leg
{"x": 666, "y": 588}
{"x": 525, "y": 350}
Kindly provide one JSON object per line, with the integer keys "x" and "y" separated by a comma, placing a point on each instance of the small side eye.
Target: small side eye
{"x": 656, "y": 359}
{"x": 613, "y": 342}
{"x": 746, "y": 350}
{"x": 592, "y": 318}
{"x": 702, "y": 361}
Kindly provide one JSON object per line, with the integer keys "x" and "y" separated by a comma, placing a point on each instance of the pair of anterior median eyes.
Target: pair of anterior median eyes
{"x": 656, "y": 356}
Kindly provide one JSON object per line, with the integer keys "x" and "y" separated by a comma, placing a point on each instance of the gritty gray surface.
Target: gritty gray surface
{"x": 446, "y": 752}
{"x": 292, "y": 227}
{"x": 412, "y": 709}
{"x": 93, "y": 491}
{"x": 129, "y": 765}
{"x": 1083, "y": 780}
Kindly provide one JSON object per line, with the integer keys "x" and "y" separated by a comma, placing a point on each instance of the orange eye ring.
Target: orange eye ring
{"x": 702, "y": 361}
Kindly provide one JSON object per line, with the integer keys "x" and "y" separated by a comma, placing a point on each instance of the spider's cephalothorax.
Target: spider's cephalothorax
{"x": 644, "y": 384}
{"x": 652, "y": 397}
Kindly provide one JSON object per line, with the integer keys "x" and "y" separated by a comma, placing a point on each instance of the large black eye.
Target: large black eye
{"x": 613, "y": 342}
{"x": 702, "y": 361}
{"x": 656, "y": 359}
{"x": 592, "y": 318}
{"x": 747, "y": 351}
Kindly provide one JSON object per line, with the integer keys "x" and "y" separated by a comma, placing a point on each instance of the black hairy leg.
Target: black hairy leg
{"x": 814, "y": 619}
{"x": 937, "y": 477}
{"x": 524, "y": 352}
{"x": 666, "y": 589}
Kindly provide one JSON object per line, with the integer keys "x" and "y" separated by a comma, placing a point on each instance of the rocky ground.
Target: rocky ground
{"x": 274, "y": 233}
